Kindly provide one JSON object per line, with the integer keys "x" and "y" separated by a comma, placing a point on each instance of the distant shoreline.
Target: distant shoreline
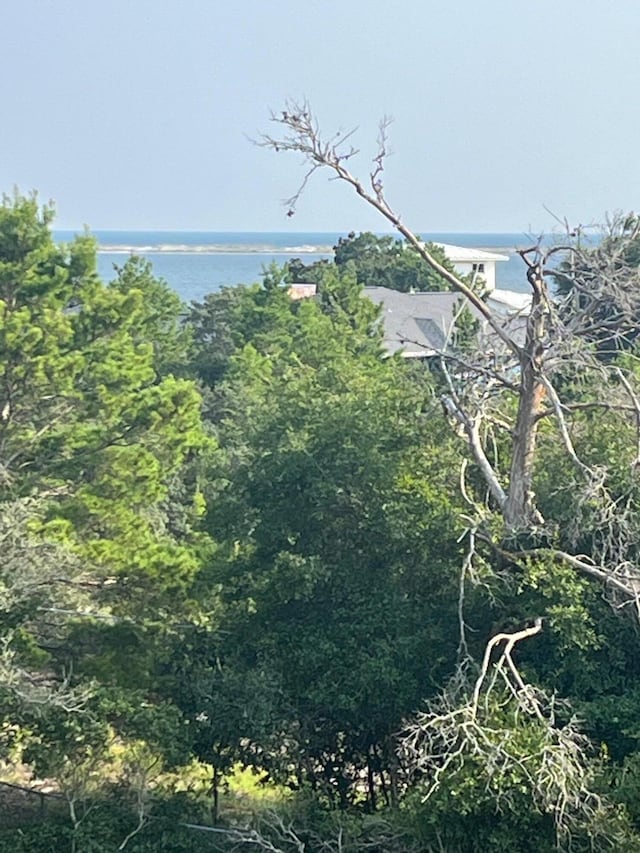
{"x": 183, "y": 249}
{"x": 195, "y": 263}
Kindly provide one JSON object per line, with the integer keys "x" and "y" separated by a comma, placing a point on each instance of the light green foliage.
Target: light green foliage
{"x": 224, "y": 322}
{"x": 264, "y": 316}
{"x": 160, "y": 323}
{"x": 84, "y": 414}
{"x": 341, "y": 299}
{"x": 96, "y": 434}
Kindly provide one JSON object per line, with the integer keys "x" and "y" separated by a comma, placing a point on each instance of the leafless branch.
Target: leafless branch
{"x": 272, "y": 832}
{"x": 562, "y": 424}
{"x": 636, "y": 406}
{"x": 379, "y": 160}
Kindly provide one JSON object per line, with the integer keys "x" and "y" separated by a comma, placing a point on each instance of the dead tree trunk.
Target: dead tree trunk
{"x": 520, "y": 510}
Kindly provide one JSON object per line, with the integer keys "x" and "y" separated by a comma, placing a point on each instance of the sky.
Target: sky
{"x": 507, "y": 115}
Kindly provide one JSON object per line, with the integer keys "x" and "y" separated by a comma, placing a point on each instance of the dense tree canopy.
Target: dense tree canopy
{"x": 85, "y": 413}
{"x": 332, "y": 511}
{"x": 239, "y": 541}
{"x": 93, "y": 434}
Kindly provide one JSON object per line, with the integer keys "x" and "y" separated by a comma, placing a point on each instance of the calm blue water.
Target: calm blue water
{"x": 195, "y": 263}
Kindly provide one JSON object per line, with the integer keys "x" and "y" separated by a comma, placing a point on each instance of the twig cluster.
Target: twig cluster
{"x": 508, "y": 730}
{"x": 272, "y": 833}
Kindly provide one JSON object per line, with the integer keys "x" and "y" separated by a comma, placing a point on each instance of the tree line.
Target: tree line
{"x": 257, "y": 590}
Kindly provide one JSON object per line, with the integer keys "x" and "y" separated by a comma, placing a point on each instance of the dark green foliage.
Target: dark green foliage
{"x": 464, "y": 818}
{"x": 389, "y": 262}
{"x": 332, "y": 517}
{"x": 376, "y": 261}
{"x": 106, "y": 827}
{"x": 297, "y": 271}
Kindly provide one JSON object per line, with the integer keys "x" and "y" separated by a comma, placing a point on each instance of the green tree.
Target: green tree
{"x": 377, "y": 261}
{"x": 332, "y": 512}
{"x": 385, "y": 261}
{"x": 161, "y": 320}
{"x": 265, "y": 316}
{"x": 85, "y": 416}
{"x": 94, "y": 432}
{"x": 550, "y": 513}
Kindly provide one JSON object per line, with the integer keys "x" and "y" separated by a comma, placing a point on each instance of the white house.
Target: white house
{"x": 474, "y": 261}
{"x": 419, "y": 325}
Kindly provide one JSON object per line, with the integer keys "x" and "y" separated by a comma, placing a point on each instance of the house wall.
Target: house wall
{"x": 489, "y": 274}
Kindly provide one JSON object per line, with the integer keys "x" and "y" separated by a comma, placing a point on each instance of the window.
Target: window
{"x": 478, "y": 268}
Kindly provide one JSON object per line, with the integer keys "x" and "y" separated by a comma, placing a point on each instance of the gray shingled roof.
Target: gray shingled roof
{"x": 419, "y": 324}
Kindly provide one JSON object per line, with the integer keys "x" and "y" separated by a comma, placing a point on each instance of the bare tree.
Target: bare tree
{"x": 512, "y": 386}
{"x": 46, "y": 583}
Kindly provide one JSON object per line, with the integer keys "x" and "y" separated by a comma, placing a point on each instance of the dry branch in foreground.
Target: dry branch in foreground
{"x": 505, "y": 733}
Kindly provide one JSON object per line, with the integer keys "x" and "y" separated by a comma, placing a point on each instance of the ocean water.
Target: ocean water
{"x": 195, "y": 263}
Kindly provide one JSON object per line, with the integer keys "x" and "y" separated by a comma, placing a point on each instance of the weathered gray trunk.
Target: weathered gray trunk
{"x": 520, "y": 510}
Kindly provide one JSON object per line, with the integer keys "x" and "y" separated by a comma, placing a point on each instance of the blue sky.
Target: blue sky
{"x": 137, "y": 114}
